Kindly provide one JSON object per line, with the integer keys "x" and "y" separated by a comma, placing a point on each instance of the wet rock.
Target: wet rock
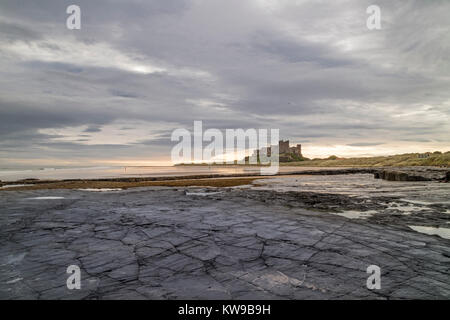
{"x": 413, "y": 174}
{"x": 161, "y": 244}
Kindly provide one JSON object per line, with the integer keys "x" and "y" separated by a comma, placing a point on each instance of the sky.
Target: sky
{"x": 112, "y": 92}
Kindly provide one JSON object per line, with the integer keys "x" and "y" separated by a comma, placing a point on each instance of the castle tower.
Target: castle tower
{"x": 298, "y": 149}
{"x": 283, "y": 146}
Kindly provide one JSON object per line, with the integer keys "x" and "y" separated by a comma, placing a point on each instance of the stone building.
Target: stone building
{"x": 283, "y": 148}
{"x": 296, "y": 150}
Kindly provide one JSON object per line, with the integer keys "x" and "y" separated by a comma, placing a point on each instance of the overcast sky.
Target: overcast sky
{"x": 112, "y": 92}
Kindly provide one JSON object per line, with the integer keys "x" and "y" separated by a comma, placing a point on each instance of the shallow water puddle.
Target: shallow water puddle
{"x": 45, "y": 198}
{"x": 13, "y": 259}
{"x": 425, "y": 203}
{"x": 405, "y": 209}
{"x": 14, "y": 281}
{"x": 202, "y": 193}
{"x": 353, "y": 214}
{"x": 441, "y": 232}
{"x": 6, "y": 186}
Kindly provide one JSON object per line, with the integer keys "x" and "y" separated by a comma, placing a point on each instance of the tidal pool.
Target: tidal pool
{"x": 441, "y": 232}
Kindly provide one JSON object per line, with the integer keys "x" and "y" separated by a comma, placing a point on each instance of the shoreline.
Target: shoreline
{"x": 224, "y": 180}
{"x": 218, "y": 180}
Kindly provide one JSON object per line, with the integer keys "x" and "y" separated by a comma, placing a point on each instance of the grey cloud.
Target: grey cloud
{"x": 92, "y": 129}
{"x": 294, "y": 52}
{"x": 123, "y": 94}
{"x": 16, "y": 117}
{"x": 260, "y": 69}
{"x": 56, "y": 66}
{"x": 11, "y": 31}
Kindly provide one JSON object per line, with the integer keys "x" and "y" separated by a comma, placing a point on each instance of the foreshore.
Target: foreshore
{"x": 225, "y": 180}
{"x": 293, "y": 236}
{"x": 221, "y": 243}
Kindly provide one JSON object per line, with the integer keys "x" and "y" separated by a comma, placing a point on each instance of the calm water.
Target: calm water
{"x": 123, "y": 172}
{"x": 111, "y": 172}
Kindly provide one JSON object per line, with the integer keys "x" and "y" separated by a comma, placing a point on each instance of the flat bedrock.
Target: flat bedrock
{"x": 161, "y": 243}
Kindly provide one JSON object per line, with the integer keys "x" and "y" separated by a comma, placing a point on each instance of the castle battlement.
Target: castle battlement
{"x": 283, "y": 148}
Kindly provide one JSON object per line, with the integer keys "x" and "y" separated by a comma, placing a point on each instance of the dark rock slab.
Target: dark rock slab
{"x": 161, "y": 244}
{"x": 414, "y": 174}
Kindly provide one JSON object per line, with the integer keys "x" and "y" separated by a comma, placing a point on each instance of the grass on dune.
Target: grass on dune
{"x": 401, "y": 160}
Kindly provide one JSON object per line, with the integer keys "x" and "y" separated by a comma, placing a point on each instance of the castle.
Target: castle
{"x": 283, "y": 149}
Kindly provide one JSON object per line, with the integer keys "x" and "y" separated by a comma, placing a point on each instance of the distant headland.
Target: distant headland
{"x": 292, "y": 156}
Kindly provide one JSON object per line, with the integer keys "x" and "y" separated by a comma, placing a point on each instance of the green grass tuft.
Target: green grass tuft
{"x": 402, "y": 160}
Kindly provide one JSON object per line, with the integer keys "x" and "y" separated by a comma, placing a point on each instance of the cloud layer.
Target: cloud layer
{"x": 137, "y": 70}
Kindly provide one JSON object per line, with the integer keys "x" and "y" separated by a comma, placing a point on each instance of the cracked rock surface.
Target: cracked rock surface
{"x": 165, "y": 243}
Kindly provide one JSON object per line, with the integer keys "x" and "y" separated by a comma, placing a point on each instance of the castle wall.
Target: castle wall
{"x": 283, "y": 147}
{"x": 297, "y": 149}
